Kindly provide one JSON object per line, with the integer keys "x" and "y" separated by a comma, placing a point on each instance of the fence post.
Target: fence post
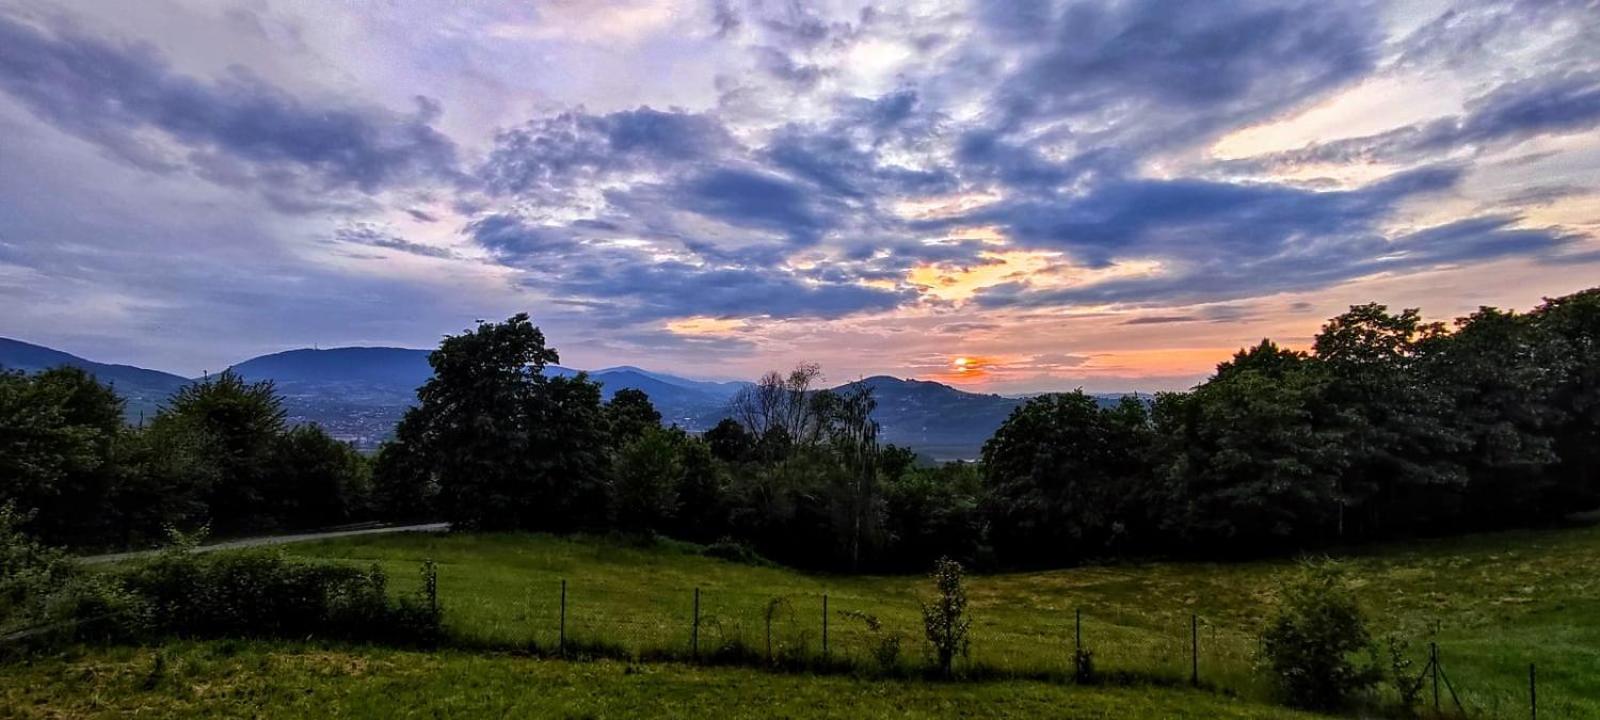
{"x": 1533, "y": 693}
{"x": 562, "y": 646}
{"x": 1194, "y": 650}
{"x": 1077, "y": 636}
{"x": 824, "y": 626}
{"x": 1433, "y": 662}
{"x": 694, "y": 636}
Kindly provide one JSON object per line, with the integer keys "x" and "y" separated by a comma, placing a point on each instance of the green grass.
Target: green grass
{"x": 1493, "y": 602}
{"x": 236, "y": 679}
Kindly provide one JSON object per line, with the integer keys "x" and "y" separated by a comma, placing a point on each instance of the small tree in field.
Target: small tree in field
{"x": 945, "y": 619}
{"x": 1309, "y": 643}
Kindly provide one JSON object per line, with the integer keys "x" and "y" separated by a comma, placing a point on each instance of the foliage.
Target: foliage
{"x": 41, "y": 588}
{"x": 508, "y": 446}
{"x": 265, "y": 594}
{"x": 1055, "y": 472}
{"x": 234, "y": 426}
{"x": 944, "y": 621}
{"x": 1308, "y": 644}
{"x": 60, "y": 431}
{"x": 629, "y": 414}
{"x": 648, "y": 473}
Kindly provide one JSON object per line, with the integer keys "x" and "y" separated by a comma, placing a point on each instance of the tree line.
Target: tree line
{"x": 218, "y": 454}
{"x": 1388, "y": 426}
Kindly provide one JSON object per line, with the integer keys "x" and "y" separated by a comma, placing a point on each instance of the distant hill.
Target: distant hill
{"x": 144, "y": 389}
{"x": 359, "y": 393}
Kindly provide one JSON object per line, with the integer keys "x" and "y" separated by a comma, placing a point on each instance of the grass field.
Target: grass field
{"x": 1493, "y": 602}
{"x": 237, "y": 679}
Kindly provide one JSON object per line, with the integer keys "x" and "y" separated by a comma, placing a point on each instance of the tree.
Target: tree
{"x": 729, "y": 441}
{"x": 853, "y": 436}
{"x": 945, "y": 621}
{"x": 703, "y": 491}
{"x": 1053, "y": 472}
{"x": 1392, "y": 425}
{"x": 59, "y": 433}
{"x": 783, "y": 406}
{"x": 1569, "y": 327}
{"x": 234, "y": 426}
{"x": 1250, "y": 457}
{"x": 629, "y": 414}
{"x": 508, "y": 446}
{"x": 1497, "y": 379}
{"x": 403, "y": 486}
{"x": 319, "y": 481}
{"x": 1310, "y": 641}
{"x": 648, "y": 472}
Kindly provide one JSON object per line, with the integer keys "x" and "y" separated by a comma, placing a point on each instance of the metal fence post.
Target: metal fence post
{"x": 1433, "y": 661}
{"x": 1533, "y": 693}
{"x": 824, "y": 626}
{"x": 694, "y": 637}
{"x": 1077, "y": 636}
{"x": 562, "y": 646}
{"x": 1194, "y": 650}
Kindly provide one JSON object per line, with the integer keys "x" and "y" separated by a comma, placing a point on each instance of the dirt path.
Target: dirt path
{"x": 274, "y": 540}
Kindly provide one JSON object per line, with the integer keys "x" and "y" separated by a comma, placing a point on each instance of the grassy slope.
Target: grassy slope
{"x": 1498, "y": 602}
{"x": 223, "y": 679}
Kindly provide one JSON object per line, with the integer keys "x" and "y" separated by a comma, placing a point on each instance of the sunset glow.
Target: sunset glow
{"x": 724, "y": 188}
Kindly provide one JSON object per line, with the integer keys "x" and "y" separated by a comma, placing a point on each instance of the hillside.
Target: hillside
{"x": 1493, "y": 603}
{"x": 144, "y": 389}
{"x": 359, "y": 393}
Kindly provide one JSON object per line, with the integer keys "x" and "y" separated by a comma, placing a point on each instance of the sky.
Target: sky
{"x": 1012, "y": 197}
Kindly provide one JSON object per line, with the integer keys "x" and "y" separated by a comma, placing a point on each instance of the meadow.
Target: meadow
{"x": 227, "y": 679}
{"x": 1493, "y": 603}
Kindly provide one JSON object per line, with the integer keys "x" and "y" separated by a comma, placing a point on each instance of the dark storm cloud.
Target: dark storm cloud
{"x": 236, "y": 129}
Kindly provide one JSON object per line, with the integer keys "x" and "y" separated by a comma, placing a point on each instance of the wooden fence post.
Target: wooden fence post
{"x": 562, "y": 643}
{"x": 694, "y": 637}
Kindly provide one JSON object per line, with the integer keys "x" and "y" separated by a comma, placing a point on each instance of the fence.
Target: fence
{"x": 845, "y": 630}
{"x": 853, "y": 631}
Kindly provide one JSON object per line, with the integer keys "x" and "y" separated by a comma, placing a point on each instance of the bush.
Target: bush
{"x": 43, "y": 593}
{"x": 263, "y": 594}
{"x": 945, "y": 620}
{"x": 885, "y": 644}
{"x": 1309, "y": 644}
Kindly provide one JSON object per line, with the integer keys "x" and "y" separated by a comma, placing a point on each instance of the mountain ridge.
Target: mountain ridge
{"x": 358, "y": 393}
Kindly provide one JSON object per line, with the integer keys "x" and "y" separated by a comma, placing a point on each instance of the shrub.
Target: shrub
{"x": 1309, "y": 643}
{"x": 263, "y": 594}
{"x": 885, "y": 644}
{"x": 945, "y": 620}
{"x": 43, "y": 593}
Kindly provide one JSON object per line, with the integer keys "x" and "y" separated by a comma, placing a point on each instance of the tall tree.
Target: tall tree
{"x": 234, "y": 425}
{"x": 508, "y": 446}
{"x": 1392, "y": 423}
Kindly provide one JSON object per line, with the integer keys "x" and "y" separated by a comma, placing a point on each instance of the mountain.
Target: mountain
{"x": 144, "y": 390}
{"x": 935, "y": 419}
{"x": 359, "y": 393}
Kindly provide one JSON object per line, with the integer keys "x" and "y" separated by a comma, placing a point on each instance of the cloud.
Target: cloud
{"x": 1145, "y": 68}
{"x": 237, "y": 129}
{"x": 1557, "y": 104}
{"x": 371, "y": 236}
{"x": 630, "y": 285}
